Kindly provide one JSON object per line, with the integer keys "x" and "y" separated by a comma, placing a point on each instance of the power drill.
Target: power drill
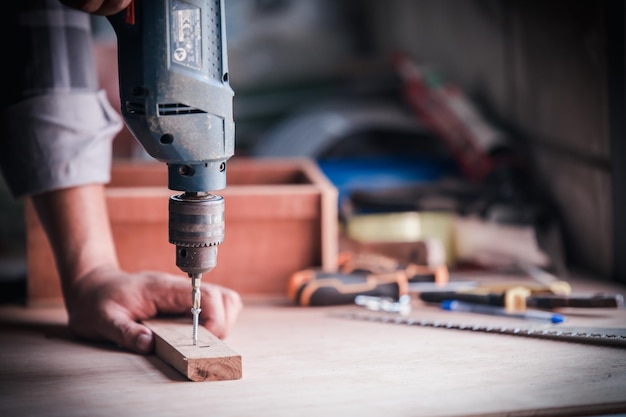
{"x": 177, "y": 102}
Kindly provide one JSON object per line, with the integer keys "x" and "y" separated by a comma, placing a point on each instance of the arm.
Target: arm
{"x": 104, "y": 302}
{"x": 56, "y": 148}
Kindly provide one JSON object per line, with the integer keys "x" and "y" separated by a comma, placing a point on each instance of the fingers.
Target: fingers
{"x": 129, "y": 334}
{"x": 114, "y": 324}
{"x": 220, "y": 306}
{"x": 136, "y": 337}
{"x": 220, "y": 309}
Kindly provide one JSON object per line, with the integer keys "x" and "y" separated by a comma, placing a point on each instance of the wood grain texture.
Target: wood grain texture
{"x": 304, "y": 362}
{"x": 210, "y": 360}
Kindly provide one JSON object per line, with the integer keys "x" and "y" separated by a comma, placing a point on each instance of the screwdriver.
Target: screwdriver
{"x": 317, "y": 288}
{"x": 543, "y": 301}
{"x": 312, "y": 287}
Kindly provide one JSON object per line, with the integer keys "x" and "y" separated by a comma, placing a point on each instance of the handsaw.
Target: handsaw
{"x": 587, "y": 335}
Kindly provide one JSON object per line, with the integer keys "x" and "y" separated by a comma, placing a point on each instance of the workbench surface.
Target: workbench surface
{"x": 307, "y": 362}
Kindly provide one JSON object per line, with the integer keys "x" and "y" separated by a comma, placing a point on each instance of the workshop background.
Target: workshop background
{"x": 316, "y": 78}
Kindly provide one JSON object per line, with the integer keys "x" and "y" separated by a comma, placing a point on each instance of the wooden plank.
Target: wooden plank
{"x": 210, "y": 360}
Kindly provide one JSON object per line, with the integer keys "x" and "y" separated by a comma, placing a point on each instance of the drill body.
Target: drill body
{"x": 175, "y": 95}
{"x": 177, "y": 102}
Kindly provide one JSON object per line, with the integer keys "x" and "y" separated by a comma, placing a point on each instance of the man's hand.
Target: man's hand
{"x": 103, "y": 301}
{"x": 98, "y": 7}
{"x": 108, "y": 303}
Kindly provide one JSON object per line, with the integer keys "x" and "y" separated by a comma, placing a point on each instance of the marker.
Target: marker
{"x": 455, "y": 305}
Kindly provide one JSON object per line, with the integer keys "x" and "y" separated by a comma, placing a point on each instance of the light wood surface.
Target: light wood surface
{"x": 210, "y": 360}
{"x": 305, "y": 362}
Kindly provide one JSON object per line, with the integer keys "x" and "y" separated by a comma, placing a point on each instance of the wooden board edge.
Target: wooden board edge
{"x": 211, "y": 360}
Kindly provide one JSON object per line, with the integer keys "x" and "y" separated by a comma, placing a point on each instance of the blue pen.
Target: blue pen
{"x": 455, "y": 305}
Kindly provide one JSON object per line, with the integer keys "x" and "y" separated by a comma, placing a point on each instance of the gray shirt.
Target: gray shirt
{"x": 57, "y": 125}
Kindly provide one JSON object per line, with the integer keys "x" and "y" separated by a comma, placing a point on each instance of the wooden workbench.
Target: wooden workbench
{"x": 305, "y": 362}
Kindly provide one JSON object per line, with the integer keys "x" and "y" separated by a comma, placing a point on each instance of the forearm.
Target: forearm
{"x": 77, "y": 224}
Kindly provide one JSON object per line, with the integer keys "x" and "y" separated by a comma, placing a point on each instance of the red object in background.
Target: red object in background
{"x": 130, "y": 13}
{"x": 445, "y": 110}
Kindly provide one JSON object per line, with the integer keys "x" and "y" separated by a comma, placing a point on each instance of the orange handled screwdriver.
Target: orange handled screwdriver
{"x": 311, "y": 287}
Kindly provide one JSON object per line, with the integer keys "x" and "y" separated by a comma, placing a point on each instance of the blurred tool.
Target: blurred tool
{"x": 544, "y": 301}
{"x": 317, "y": 288}
{"x": 586, "y": 335}
{"x": 596, "y": 300}
{"x": 478, "y": 147}
{"x": 351, "y": 262}
{"x": 546, "y": 292}
{"x": 177, "y": 102}
{"x": 360, "y": 274}
{"x": 513, "y": 296}
{"x": 313, "y": 287}
{"x": 402, "y": 305}
{"x": 456, "y": 305}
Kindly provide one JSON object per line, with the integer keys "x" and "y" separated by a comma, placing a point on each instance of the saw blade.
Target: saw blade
{"x": 587, "y": 335}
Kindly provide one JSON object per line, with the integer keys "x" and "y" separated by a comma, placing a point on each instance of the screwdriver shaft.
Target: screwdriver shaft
{"x": 195, "y": 303}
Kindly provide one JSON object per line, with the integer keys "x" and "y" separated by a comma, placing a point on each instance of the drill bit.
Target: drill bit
{"x": 195, "y": 303}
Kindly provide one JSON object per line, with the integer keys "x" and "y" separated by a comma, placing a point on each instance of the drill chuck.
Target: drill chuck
{"x": 196, "y": 227}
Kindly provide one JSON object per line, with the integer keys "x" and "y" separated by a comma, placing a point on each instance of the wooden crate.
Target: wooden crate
{"x": 280, "y": 217}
